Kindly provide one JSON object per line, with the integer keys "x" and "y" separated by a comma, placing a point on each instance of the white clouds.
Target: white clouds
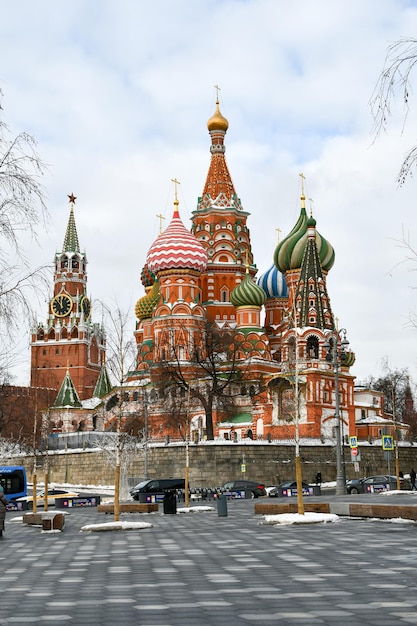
{"x": 118, "y": 96}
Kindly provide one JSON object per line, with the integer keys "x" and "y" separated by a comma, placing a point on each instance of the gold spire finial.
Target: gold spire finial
{"x": 302, "y": 197}
{"x": 217, "y": 88}
{"x": 160, "y": 217}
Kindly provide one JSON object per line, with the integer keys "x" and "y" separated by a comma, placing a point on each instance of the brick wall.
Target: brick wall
{"x": 212, "y": 465}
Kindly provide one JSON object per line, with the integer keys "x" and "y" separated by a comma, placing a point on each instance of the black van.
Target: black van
{"x": 157, "y": 486}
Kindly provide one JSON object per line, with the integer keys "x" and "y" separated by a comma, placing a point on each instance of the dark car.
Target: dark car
{"x": 157, "y": 486}
{"x": 372, "y": 484}
{"x": 284, "y": 488}
{"x": 256, "y": 488}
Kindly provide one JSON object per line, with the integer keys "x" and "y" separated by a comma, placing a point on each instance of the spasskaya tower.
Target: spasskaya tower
{"x": 69, "y": 341}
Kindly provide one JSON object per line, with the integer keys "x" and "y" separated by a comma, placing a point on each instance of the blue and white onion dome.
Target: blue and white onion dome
{"x": 273, "y": 283}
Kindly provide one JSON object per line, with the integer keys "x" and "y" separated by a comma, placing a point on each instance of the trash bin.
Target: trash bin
{"x": 170, "y": 503}
{"x": 222, "y": 505}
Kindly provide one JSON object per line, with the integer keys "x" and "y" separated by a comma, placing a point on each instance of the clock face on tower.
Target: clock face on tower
{"x": 61, "y": 305}
{"x": 86, "y": 307}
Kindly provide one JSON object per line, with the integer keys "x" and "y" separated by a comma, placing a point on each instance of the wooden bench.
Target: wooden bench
{"x": 48, "y": 520}
{"x": 129, "y": 507}
{"x": 277, "y": 508}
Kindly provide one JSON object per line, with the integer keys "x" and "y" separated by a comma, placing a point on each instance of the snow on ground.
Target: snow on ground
{"x": 296, "y": 518}
{"x": 121, "y": 525}
{"x": 398, "y": 492}
{"x": 195, "y": 509}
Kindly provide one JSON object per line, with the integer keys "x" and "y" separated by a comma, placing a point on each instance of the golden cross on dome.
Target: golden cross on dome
{"x": 176, "y": 182}
{"x": 302, "y": 182}
{"x": 279, "y": 231}
{"x": 160, "y": 217}
{"x": 72, "y": 198}
{"x": 217, "y": 88}
{"x": 311, "y": 201}
{"x": 302, "y": 197}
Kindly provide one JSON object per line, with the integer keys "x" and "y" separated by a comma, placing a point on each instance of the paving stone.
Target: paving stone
{"x": 202, "y": 569}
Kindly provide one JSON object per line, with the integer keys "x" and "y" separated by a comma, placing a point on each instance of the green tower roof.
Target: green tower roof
{"x": 67, "y": 395}
{"x": 103, "y": 384}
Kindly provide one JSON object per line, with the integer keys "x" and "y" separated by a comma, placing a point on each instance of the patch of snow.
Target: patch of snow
{"x": 398, "y": 492}
{"x": 195, "y": 509}
{"x": 115, "y": 526}
{"x": 296, "y": 518}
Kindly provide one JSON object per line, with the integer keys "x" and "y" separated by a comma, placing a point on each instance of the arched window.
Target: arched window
{"x": 312, "y": 347}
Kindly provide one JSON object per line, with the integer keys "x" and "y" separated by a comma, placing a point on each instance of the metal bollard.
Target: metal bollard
{"x": 221, "y": 505}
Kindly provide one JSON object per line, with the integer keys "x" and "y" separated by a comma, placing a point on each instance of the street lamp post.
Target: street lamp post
{"x": 337, "y": 357}
{"x": 145, "y": 435}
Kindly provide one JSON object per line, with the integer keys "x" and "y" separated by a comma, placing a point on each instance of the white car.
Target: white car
{"x": 53, "y": 494}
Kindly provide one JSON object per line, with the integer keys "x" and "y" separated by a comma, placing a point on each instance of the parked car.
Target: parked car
{"x": 256, "y": 488}
{"x": 371, "y": 484}
{"x": 157, "y": 486}
{"x": 53, "y": 494}
{"x": 275, "y": 492}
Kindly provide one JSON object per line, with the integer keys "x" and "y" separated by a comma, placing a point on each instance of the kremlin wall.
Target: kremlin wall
{"x": 214, "y": 464}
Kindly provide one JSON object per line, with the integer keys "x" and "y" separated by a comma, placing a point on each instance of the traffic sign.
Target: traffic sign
{"x": 353, "y": 442}
{"x": 387, "y": 442}
{"x": 355, "y": 451}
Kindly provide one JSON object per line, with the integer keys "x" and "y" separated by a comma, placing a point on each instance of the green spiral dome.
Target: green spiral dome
{"x": 289, "y": 252}
{"x": 248, "y": 293}
{"x": 146, "y": 304}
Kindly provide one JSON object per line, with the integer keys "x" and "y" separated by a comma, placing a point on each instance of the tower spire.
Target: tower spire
{"x": 71, "y": 243}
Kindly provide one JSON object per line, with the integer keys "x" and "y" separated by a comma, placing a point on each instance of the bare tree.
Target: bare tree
{"x": 22, "y": 210}
{"x": 400, "y": 61}
{"x": 120, "y": 356}
{"x": 209, "y": 376}
{"x": 393, "y": 385}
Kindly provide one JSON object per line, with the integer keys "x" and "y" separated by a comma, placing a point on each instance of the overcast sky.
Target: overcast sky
{"x": 118, "y": 96}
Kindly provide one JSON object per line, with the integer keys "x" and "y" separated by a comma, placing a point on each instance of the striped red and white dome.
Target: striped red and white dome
{"x": 176, "y": 248}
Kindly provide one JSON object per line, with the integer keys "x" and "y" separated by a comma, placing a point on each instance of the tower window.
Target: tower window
{"x": 312, "y": 348}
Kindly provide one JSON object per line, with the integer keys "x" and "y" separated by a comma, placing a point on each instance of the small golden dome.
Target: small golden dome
{"x": 217, "y": 121}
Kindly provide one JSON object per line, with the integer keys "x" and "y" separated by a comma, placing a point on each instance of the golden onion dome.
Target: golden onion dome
{"x": 146, "y": 304}
{"x": 217, "y": 121}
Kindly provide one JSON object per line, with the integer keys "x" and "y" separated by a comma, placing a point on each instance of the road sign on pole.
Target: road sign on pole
{"x": 355, "y": 455}
{"x": 353, "y": 442}
{"x": 387, "y": 442}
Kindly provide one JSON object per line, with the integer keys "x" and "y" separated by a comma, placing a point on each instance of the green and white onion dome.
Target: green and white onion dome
{"x": 289, "y": 252}
{"x": 248, "y": 293}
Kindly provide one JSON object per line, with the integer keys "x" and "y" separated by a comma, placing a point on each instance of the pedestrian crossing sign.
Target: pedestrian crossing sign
{"x": 387, "y": 442}
{"x": 353, "y": 442}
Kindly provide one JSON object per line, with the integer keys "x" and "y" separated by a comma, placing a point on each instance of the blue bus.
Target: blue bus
{"x": 13, "y": 481}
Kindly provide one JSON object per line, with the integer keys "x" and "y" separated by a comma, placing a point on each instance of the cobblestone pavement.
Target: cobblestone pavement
{"x": 202, "y": 569}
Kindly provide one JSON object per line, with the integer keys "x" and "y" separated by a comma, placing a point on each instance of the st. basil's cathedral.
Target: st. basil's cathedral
{"x": 205, "y": 321}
